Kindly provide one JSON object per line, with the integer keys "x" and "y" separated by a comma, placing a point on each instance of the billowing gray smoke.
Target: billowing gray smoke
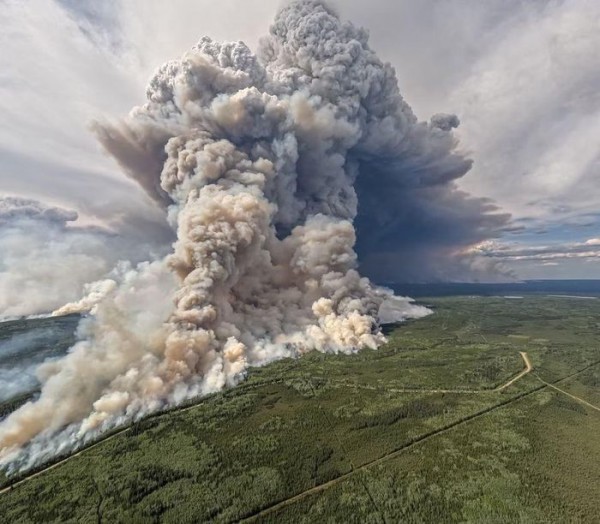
{"x": 263, "y": 163}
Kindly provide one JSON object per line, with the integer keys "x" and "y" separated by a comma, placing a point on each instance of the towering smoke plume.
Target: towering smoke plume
{"x": 263, "y": 163}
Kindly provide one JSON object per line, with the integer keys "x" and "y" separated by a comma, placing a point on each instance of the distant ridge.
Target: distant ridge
{"x": 546, "y": 287}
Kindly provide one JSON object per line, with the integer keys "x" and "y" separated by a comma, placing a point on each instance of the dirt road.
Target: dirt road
{"x": 528, "y": 369}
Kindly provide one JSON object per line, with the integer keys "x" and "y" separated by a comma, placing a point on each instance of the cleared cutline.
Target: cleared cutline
{"x": 251, "y": 517}
{"x": 182, "y": 409}
{"x": 528, "y": 369}
{"x": 578, "y": 399}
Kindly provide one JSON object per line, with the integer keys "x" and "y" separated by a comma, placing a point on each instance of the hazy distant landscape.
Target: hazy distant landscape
{"x": 444, "y": 423}
{"x": 24, "y": 345}
{"x": 540, "y": 287}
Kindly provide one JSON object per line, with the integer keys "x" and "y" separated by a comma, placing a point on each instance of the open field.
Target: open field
{"x": 445, "y": 423}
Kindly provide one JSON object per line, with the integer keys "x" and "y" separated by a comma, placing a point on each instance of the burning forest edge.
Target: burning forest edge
{"x": 281, "y": 174}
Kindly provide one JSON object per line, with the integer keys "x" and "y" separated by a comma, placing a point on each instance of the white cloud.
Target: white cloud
{"x": 517, "y": 252}
{"x": 531, "y": 113}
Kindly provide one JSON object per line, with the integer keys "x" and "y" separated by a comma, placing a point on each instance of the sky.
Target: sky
{"x": 521, "y": 75}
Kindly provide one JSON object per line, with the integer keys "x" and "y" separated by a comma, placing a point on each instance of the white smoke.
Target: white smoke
{"x": 17, "y": 366}
{"x": 255, "y": 159}
{"x": 394, "y": 310}
{"x": 47, "y": 260}
{"x": 94, "y": 293}
{"x": 44, "y": 262}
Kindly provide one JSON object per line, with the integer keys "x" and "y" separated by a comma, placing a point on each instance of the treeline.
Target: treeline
{"x": 8, "y": 406}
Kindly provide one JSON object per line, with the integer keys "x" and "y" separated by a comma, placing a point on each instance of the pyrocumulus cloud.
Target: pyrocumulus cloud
{"x": 264, "y": 163}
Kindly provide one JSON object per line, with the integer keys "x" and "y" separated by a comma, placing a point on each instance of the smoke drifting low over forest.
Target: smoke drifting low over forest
{"x": 278, "y": 172}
